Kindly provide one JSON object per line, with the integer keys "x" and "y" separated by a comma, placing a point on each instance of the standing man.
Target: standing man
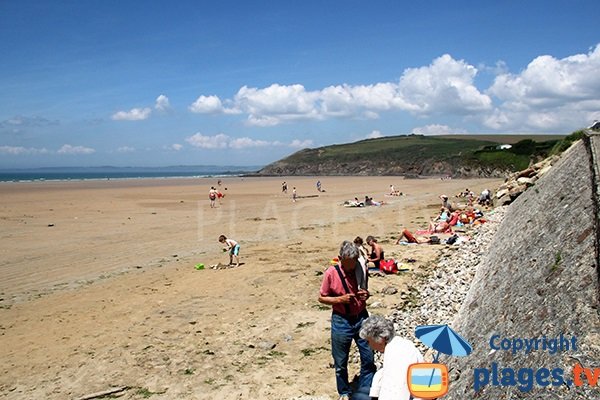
{"x": 344, "y": 287}
{"x": 212, "y": 196}
{"x": 284, "y": 187}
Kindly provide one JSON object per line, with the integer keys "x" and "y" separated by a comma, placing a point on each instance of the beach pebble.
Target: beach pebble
{"x": 436, "y": 298}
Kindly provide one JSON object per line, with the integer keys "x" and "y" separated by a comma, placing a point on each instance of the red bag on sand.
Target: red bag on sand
{"x": 388, "y": 266}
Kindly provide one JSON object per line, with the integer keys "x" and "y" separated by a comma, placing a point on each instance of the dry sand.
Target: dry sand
{"x": 98, "y": 287}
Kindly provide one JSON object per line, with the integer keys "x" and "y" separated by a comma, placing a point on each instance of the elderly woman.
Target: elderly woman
{"x": 398, "y": 355}
{"x": 344, "y": 288}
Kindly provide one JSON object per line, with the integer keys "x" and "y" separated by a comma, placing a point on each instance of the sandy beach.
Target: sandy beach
{"x": 98, "y": 287}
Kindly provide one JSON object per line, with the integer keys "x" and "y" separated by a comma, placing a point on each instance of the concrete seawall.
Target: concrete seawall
{"x": 540, "y": 278}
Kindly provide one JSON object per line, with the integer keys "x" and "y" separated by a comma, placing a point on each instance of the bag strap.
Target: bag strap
{"x": 346, "y": 289}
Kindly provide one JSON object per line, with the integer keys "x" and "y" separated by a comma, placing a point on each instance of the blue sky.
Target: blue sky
{"x": 153, "y": 83}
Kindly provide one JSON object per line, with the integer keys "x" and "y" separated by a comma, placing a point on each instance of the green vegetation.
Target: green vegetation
{"x": 425, "y": 155}
{"x": 412, "y": 148}
{"x": 565, "y": 143}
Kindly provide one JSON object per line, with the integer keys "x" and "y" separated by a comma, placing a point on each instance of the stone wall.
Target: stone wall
{"x": 539, "y": 278}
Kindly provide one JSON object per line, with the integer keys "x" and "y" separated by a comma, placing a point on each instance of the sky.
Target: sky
{"x": 160, "y": 83}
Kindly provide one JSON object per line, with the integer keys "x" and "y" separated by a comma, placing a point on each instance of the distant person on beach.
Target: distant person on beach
{"x": 212, "y": 196}
{"x": 318, "y": 186}
{"x": 398, "y": 354}
{"x": 219, "y": 182}
{"x": 294, "y": 194}
{"x": 233, "y": 248}
{"x": 345, "y": 289}
{"x": 363, "y": 254}
{"x": 284, "y": 187}
{"x": 219, "y": 196}
{"x": 485, "y": 198}
{"x": 447, "y": 204}
{"x": 377, "y": 254}
{"x": 407, "y": 237}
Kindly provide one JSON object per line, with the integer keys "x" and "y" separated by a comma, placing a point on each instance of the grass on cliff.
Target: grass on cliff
{"x": 475, "y": 150}
{"x": 411, "y": 148}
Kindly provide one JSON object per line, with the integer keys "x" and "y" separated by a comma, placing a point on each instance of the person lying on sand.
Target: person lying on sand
{"x": 407, "y": 236}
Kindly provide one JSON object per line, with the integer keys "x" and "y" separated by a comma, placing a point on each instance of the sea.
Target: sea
{"x": 107, "y": 172}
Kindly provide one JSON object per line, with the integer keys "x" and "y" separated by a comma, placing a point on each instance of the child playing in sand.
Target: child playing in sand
{"x": 234, "y": 250}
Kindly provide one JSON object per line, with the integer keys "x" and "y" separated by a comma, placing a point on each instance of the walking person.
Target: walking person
{"x": 212, "y": 196}
{"x": 344, "y": 288}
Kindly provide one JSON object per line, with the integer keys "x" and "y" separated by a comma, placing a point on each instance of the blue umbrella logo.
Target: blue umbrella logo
{"x": 444, "y": 340}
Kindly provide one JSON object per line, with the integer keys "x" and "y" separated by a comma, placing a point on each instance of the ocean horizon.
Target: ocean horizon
{"x": 110, "y": 172}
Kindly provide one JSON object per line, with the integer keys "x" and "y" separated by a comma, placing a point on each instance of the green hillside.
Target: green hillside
{"x": 419, "y": 155}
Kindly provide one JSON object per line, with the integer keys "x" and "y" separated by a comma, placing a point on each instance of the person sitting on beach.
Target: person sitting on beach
{"x": 447, "y": 204}
{"x": 394, "y": 191}
{"x": 390, "y": 382}
{"x": 377, "y": 254}
{"x": 370, "y": 202}
{"x": 344, "y": 288}
{"x": 439, "y": 226}
{"x": 234, "y": 250}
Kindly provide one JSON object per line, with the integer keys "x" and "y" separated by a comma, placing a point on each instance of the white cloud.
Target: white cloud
{"x": 162, "y": 103}
{"x": 125, "y": 149}
{"x": 135, "y": 114}
{"x": 445, "y": 85}
{"x": 219, "y": 141}
{"x": 176, "y": 146}
{"x": 550, "y": 94}
{"x": 301, "y": 144}
{"x": 19, "y": 150}
{"x": 222, "y": 141}
{"x": 68, "y": 149}
{"x": 436, "y": 129}
{"x": 245, "y": 142}
{"x": 374, "y": 135}
{"x": 207, "y": 105}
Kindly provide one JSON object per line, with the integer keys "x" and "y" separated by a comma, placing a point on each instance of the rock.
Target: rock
{"x": 376, "y": 304}
{"x": 389, "y": 290}
{"x": 501, "y": 193}
{"x": 526, "y": 181}
{"x": 264, "y": 345}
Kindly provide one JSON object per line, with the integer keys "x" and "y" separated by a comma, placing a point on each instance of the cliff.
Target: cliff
{"x": 539, "y": 279}
{"x": 415, "y": 155}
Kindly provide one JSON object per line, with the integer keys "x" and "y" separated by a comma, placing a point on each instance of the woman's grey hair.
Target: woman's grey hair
{"x": 348, "y": 250}
{"x": 377, "y": 328}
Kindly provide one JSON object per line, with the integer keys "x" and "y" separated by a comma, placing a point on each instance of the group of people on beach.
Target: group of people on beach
{"x": 345, "y": 289}
{"x": 213, "y": 195}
